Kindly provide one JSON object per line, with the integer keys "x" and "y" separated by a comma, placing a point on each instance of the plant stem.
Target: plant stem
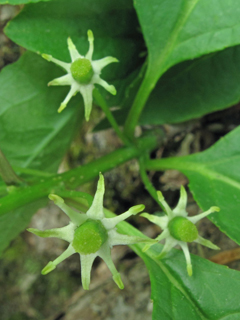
{"x": 148, "y": 185}
{"x": 102, "y": 103}
{"x": 75, "y": 177}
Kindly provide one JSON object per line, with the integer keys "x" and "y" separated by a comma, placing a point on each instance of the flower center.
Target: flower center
{"x": 82, "y": 70}
{"x": 89, "y": 237}
{"x": 182, "y": 229}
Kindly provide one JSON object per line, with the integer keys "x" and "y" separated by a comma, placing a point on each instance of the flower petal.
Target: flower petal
{"x": 65, "y": 80}
{"x": 115, "y": 238}
{"x": 165, "y": 205}
{"x": 65, "y": 233}
{"x": 90, "y": 51}
{"x": 62, "y": 64}
{"x": 169, "y": 244}
{"x": 76, "y": 217}
{"x": 185, "y": 249}
{"x": 198, "y": 217}
{"x": 72, "y": 50}
{"x": 52, "y": 264}
{"x": 110, "y": 223}
{"x": 70, "y": 94}
{"x": 162, "y": 236}
{"x": 96, "y": 209}
{"x": 86, "y": 267}
{"x": 206, "y": 243}
{"x": 86, "y": 92}
{"x": 98, "y": 65}
{"x": 110, "y": 88}
{"x": 180, "y": 209}
{"x": 162, "y": 222}
{"x": 105, "y": 253}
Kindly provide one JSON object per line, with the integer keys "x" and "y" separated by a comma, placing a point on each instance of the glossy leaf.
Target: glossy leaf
{"x": 33, "y": 134}
{"x": 214, "y": 177}
{"x": 185, "y": 29}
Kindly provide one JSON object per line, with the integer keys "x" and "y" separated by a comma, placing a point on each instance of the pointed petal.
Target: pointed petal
{"x": 115, "y": 238}
{"x": 86, "y": 267}
{"x": 110, "y": 88}
{"x": 52, "y": 264}
{"x": 182, "y": 203}
{"x": 162, "y": 222}
{"x": 65, "y": 80}
{"x": 62, "y": 64}
{"x": 105, "y": 253}
{"x": 98, "y": 65}
{"x": 195, "y": 219}
{"x": 110, "y": 223}
{"x": 86, "y": 91}
{"x": 206, "y": 243}
{"x": 185, "y": 249}
{"x": 65, "y": 233}
{"x": 90, "y": 51}
{"x": 70, "y": 94}
{"x": 162, "y": 236}
{"x": 72, "y": 50}
{"x": 165, "y": 205}
{"x": 76, "y": 217}
{"x": 96, "y": 209}
{"x": 169, "y": 244}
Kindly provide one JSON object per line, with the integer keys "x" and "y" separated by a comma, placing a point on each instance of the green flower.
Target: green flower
{"x": 82, "y": 74}
{"x": 90, "y": 235}
{"x": 178, "y": 228}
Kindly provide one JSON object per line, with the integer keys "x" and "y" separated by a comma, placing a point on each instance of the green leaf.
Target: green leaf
{"x": 193, "y": 89}
{"x": 32, "y": 133}
{"x": 214, "y": 180}
{"x": 211, "y": 293}
{"x": 175, "y": 31}
{"x": 14, "y": 222}
{"x": 16, "y": 2}
{"x": 45, "y": 27}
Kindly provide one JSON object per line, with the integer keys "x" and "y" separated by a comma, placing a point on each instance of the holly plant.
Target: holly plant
{"x": 152, "y": 72}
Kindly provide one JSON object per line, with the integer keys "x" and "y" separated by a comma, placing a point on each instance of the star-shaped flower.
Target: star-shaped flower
{"x": 82, "y": 74}
{"x": 178, "y": 228}
{"x": 91, "y": 235}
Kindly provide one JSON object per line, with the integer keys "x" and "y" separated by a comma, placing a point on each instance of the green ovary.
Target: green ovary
{"x": 89, "y": 237}
{"x": 182, "y": 229}
{"x": 82, "y": 70}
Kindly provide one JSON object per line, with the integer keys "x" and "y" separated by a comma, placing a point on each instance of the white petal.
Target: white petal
{"x": 162, "y": 222}
{"x": 165, "y": 205}
{"x": 110, "y": 223}
{"x": 105, "y": 253}
{"x": 198, "y": 217}
{"x": 96, "y": 209}
{"x": 184, "y": 246}
{"x": 76, "y": 217}
{"x": 98, "y": 65}
{"x": 86, "y": 267}
{"x": 86, "y": 91}
{"x": 65, "y": 233}
{"x": 62, "y": 64}
{"x": 115, "y": 238}
{"x": 90, "y": 51}
{"x": 70, "y": 94}
{"x": 62, "y": 81}
{"x": 169, "y": 244}
{"x": 180, "y": 209}
{"x": 162, "y": 236}
{"x": 206, "y": 243}
{"x": 72, "y": 50}
{"x": 110, "y": 88}
{"x": 52, "y": 264}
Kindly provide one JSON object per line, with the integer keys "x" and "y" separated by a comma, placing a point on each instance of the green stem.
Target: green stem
{"x": 33, "y": 172}
{"x": 102, "y": 103}
{"x": 148, "y": 185}
{"x": 165, "y": 164}
{"x": 75, "y": 177}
